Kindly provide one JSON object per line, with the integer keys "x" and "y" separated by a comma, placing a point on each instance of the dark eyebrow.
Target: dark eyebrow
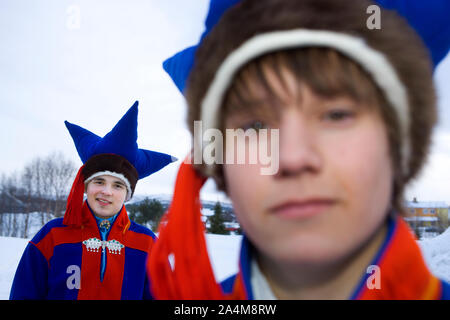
{"x": 253, "y": 106}
{"x": 119, "y": 182}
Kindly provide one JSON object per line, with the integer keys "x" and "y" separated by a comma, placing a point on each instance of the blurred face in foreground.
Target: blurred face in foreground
{"x": 333, "y": 189}
{"x": 106, "y": 195}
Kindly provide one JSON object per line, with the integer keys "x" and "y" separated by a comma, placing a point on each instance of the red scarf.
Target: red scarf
{"x": 72, "y": 216}
{"x": 182, "y": 241}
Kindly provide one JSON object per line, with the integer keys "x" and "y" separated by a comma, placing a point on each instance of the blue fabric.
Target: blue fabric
{"x": 245, "y": 258}
{"x": 133, "y": 260}
{"x": 179, "y": 66}
{"x": 32, "y": 278}
{"x": 428, "y": 18}
{"x": 30, "y": 281}
{"x": 104, "y": 235}
{"x": 55, "y": 223}
{"x": 228, "y": 283}
{"x": 365, "y": 275}
{"x": 445, "y": 290}
{"x": 121, "y": 140}
{"x": 39, "y": 279}
{"x": 65, "y": 255}
{"x": 141, "y": 229}
{"x": 245, "y": 265}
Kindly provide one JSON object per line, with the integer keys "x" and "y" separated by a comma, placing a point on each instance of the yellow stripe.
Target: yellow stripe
{"x": 127, "y": 226}
{"x": 432, "y": 290}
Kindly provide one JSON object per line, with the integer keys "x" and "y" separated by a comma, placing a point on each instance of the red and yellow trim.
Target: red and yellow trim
{"x": 403, "y": 272}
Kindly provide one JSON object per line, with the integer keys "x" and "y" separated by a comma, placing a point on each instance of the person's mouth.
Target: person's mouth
{"x": 302, "y": 208}
{"x": 103, "y": 202}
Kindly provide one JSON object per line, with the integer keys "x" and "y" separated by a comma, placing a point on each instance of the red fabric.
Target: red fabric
{"x": 111, "y": 286}
{"x": 56, "y": 237}
{"x": 72, "y": 217}
{"x": 182, "y": 238}
{"x": 404, "y": 274}
{"x": 138, "y": 241}
{"x": 91, "y": 287}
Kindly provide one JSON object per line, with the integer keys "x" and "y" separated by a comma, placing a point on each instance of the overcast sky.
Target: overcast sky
{"x": 88, "y": 61}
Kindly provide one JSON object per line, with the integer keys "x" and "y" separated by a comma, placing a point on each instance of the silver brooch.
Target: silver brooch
{"x": 105, "y": 224}
{"x": 94, "y": 245}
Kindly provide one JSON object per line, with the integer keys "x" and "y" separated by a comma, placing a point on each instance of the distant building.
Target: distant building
{"x": 427, "y": 216}
{"x": 232, "y": 227}
{"x": 206, "y": 213}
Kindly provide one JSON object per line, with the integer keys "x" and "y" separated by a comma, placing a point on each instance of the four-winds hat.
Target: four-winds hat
{"x": 116, "y": 154}
{"x": 429, "y": 19}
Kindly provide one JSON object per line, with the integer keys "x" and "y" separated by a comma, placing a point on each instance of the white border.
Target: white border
{"x": 114, "y": 174}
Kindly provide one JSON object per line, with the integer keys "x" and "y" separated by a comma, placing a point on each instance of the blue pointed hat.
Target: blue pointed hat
{"x": 429, "y": 19}
{"x": 122, "y": 141}
{"x": 115, "y": 154}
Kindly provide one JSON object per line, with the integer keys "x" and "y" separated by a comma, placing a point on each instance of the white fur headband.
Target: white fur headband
{"x": 116, "y": 175}
{"x": 371, "y": 60}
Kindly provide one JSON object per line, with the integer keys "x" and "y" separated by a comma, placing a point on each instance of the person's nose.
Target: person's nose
{"x": 107, "y": 190}
{"x": 298, "y": 148}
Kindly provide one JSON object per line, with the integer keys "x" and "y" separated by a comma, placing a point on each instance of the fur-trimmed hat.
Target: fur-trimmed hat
{"x": 112, "y": 165}
{"x": 116, "y": 154}
{"x": 429, "y": 19}
{"x": 394, "y": 57}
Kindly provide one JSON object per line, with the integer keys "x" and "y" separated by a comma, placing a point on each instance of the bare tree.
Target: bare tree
{"x": 51, "y": 176}
{"x": 60, "y": 172}
{"x": 27, "y": 184}
{"x": 34, "y": 171}
{"x": 42, "y": 187}
{"x": 11, "y": 205}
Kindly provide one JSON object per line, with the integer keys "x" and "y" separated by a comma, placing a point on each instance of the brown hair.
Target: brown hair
{"x": 324, "y": 70}
{"x": 114, "y": 163}
{"x": 327, "y": 73}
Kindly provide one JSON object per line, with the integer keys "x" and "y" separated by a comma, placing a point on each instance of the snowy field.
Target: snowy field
{"x": 11, "y": 251}
{"x": 224, "y": 252}
{"x": 437, "y": 254}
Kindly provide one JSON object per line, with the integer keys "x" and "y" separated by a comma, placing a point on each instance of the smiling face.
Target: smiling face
{"x": 334, "y": 184}
{"x": 106, "y": 195}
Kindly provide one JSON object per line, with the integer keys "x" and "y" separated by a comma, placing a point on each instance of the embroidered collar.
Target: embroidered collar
{"x": 104, "y": 225}
{"x": 120, "y": 221}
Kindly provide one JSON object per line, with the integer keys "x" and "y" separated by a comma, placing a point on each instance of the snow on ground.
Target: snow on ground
{"x": 11, "y": 250}
{"x": 436, "y": 252}
{"x": 224, "y": 253}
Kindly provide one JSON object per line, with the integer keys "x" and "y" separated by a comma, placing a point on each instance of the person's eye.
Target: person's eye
{"x": 98, "y": 182}
{"x": 119, "y": 186}
{"x": 255, "y": 125}
{"x": 339, "y": 115}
